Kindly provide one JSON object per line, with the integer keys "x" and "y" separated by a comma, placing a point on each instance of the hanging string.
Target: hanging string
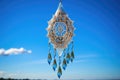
{"x": 54, "y": 53}
{"x": 68, "y": 49}
{"x": 72, "y": 45}
{"x": 64, "y": 53}
{"x": 49, "y": 47}
{"x": 59, "y": 60}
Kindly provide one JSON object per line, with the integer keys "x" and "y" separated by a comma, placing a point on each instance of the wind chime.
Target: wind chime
{"x": 60, "y": 32}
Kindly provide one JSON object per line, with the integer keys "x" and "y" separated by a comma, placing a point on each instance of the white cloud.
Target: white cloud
{"x": 14, "y": 51}
{"x": 2, "y": 73}
{"x": 24, "y": 75}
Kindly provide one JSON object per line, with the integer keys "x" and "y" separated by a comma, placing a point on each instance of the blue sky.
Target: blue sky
{"x": 23, "y": 25}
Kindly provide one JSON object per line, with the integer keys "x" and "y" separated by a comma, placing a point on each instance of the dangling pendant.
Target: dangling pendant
{"x": 49, "y": 58}
{"x": 54, "y": 64}
{"x": 68, "y": 58}
{"x": 59, "y": 73}
{"x": 72, "y": 56}
{"x": 64, "y": 65}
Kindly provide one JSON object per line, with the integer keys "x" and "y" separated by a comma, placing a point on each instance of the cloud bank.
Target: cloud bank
{"x": 1, "y": 73}
{"x": 14, "y": 51}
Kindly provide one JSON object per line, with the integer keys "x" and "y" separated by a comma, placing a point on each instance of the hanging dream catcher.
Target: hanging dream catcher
{"x": 60, "y": 32}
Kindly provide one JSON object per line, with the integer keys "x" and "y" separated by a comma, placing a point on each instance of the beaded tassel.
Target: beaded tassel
{"x": 59, "y": 73}
{"x": 72, "y": 53}
{"x": 49, "y": 55}
{"x": 54, "y": 62}
{"x": 64, "y": 64}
